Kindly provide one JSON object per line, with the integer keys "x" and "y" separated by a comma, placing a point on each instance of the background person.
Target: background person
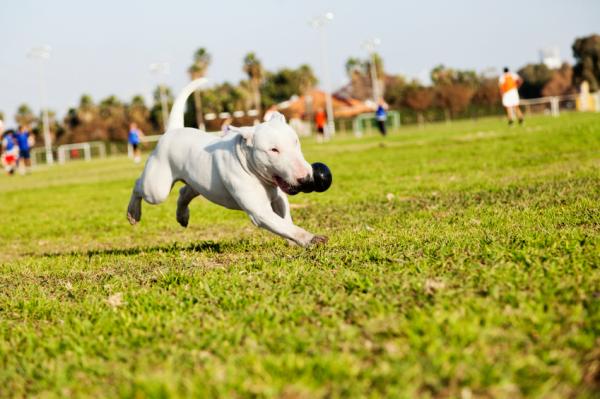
{"x": 10, "y": 152}
{"x": 134, "y": 140}
{"x": 25, "y": 141}
{"x": 509, "y": 84}
{"x": 320, "y": 121}
{"x": 381, "y": 116}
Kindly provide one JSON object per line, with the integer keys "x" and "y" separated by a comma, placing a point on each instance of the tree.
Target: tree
{"x": 113, "y": 119}
{"x": 376, "y": 59}
{"x": 560, "y": 83}
{"x": 24, "y": 115}
{"x": 285, "y": 83}
{"x": 535, "y": 77}
{"x": 86, "y": 111}
{"x": 586, "y": 51}
{"x": 395, "y": 93}
{"x": 198, "y": 70}
{"x": 138, "y": 112}
{"x": 418, "y": 98}
{"x": 54, "y": 126}
{"x": 441, "y": 75}
{"x": 83, "y": 123}
{"x": 454, "y": 98}
{"x": 487, "y": 94}
{"x": 453, "y": 88}
{"x": 254, "y": 70}
{"x": 306, "y": 79}
{"x": 360, "y": 82}
{"x": 354, "y": 65}
{"x": 156, "y": 117}
{"x": 246, "y": 93}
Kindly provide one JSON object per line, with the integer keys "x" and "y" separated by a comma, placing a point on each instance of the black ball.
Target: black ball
{"x": 321, "y": 177}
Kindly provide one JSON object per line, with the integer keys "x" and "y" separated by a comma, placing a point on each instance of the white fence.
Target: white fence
{"x": 553, "y": 105}
{"x": 38, "y": 153}
{"x": 66, "y": 152}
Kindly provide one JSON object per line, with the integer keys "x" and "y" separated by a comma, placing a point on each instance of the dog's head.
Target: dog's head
{"x": 276, "y": 155}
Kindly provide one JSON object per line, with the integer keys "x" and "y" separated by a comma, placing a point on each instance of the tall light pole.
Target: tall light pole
{"x": 41, "y": 54}
{"x": 370, "y": 46}
{"x": 319, "y": 22}
{"x": 162, "y": 68}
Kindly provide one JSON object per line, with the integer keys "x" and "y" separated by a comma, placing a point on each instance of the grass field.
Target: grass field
{"x": 463, "y": 262}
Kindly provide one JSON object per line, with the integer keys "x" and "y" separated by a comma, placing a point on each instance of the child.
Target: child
{"x": 10, "y": 152}
{"x": 320, "y": 120}
{"x": 25, "y": 141}
{"x": 134, "y": 140}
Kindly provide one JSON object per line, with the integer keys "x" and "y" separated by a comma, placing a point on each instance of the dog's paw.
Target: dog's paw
{"x": 132, "y": 219}
{"x": 319, "y": 240}
{"x": 183, "y": 216}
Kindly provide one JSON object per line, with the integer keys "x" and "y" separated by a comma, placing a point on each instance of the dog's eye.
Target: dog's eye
{"x": 275, "y": 150}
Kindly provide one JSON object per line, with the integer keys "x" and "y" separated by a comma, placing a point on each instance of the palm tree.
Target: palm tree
{"x": 24, "y": 115}
{"x": 357, "y": 71}
{"x": 354, "y": 66}
{"x": 86, "y": 111}
{"x": 254, "y": 70}
{"x": 198, "y": 70}
{"x": 138, "y": 112}
{"x": 307, "y": 79}
{"x": 380, "y": 72}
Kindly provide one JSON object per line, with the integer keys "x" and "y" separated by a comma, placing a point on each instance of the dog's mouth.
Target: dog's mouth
{"x": 285, "y": 186}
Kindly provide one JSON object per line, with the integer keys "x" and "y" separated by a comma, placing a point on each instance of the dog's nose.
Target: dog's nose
{"x": 304, "y": 180}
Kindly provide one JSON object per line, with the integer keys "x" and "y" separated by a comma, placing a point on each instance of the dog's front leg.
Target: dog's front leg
{"x": 268, "y": 219}
{"x": 281, "y": 207}
{"x": 258, "y": 206}
{"x": 253, "y": 199}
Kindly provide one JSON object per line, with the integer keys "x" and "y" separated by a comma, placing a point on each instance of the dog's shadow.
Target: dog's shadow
{"x": 203, "y": 246}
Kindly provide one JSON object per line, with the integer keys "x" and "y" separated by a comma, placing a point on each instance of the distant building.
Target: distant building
{"x": 303, "y": 107}
{"x": 550, "y": 56}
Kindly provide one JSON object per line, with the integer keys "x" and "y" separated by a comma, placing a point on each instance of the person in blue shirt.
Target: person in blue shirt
{"x": 24, "y": 140}
{"x": 381, "y": 116}
{"x": 134, "y": 140}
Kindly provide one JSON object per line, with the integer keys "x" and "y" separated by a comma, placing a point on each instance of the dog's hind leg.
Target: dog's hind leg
{"x": 153, "y": 186}
{"x": 134, "y": 210}
{"x": 186, "y": 195}
{"x": 157, "y": 181}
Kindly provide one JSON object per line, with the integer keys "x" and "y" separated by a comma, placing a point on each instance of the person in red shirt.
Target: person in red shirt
{"x": 320, "y": 121}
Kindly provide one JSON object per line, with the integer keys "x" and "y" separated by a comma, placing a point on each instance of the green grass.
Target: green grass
{"x": 463, "y": 262}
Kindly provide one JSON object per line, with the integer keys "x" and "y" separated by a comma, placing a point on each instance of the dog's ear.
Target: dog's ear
{"x": 247, "y": 132}
{"x": 277, "y": 117}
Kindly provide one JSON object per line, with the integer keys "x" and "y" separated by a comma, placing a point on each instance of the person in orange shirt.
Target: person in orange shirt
{"x": 320, "y": 120}
{"x": 509, "y": 84}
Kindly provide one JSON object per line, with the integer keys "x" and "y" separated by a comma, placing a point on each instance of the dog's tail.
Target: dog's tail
{"x": 176, "y": 115}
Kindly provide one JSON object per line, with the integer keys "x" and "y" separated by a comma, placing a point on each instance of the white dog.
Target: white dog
{"x": 250, "y": 169}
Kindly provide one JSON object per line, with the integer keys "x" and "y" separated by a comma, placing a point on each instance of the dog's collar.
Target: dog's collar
{"x": 240, "y": 151}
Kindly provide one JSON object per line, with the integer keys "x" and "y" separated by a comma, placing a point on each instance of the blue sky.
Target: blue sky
{"x": 105, "y": 47}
